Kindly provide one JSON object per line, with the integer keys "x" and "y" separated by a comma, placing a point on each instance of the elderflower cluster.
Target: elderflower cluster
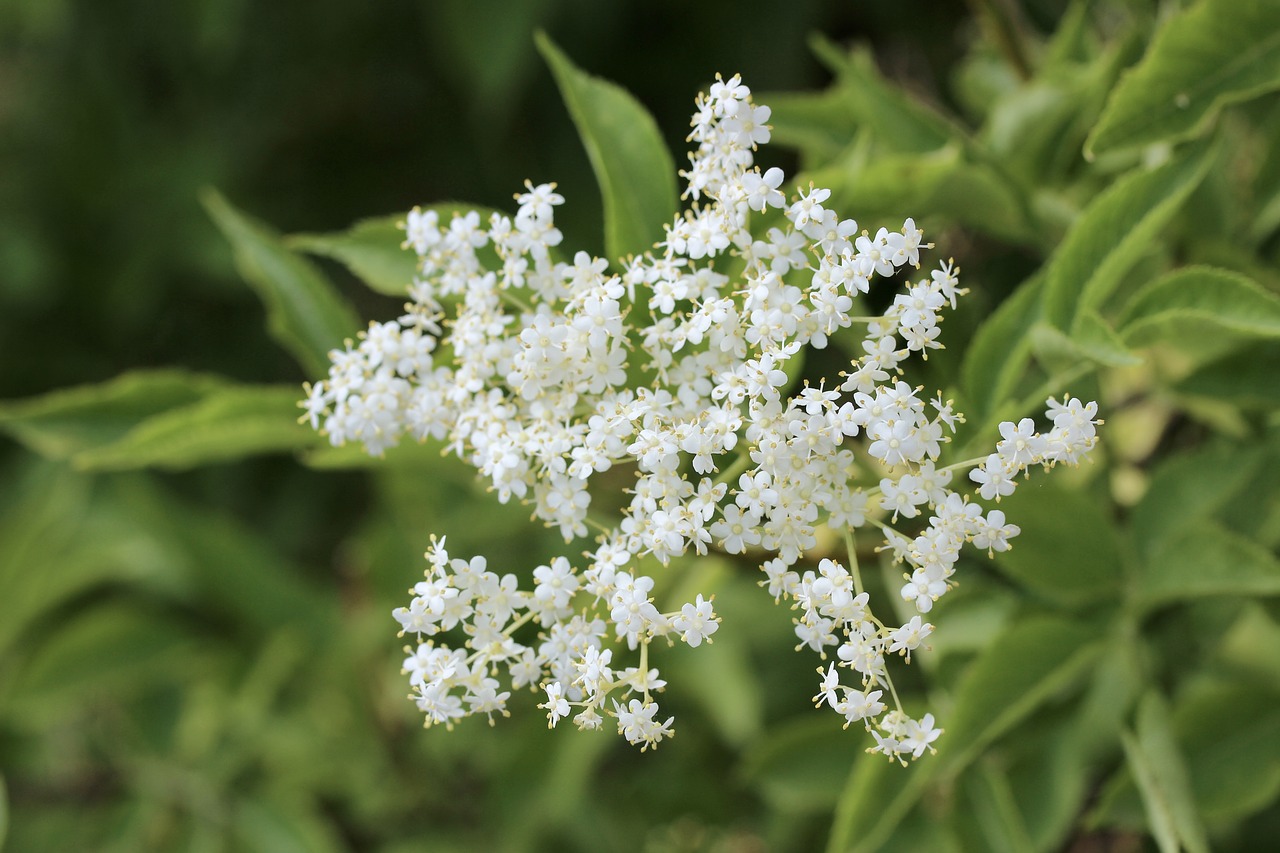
{"x": 679, "y": 367}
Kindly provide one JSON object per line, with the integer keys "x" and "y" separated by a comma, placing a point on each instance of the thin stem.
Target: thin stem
{"x": 853, "y": 560}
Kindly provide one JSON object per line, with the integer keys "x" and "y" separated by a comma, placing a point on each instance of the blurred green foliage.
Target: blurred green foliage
{"x": 199, "y": 655}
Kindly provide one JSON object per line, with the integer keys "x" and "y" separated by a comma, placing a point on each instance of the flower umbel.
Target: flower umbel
{"x": 543, "y": 373}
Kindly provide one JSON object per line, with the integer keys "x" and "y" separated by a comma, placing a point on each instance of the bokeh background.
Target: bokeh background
{"x": 204, "y": 659}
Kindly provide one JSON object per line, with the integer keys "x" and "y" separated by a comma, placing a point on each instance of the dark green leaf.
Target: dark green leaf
{"x": 1190, "y": 487}
{"x": 1068, "y": 550}
{"x": 1246, "y": 378}
{"x": 1218, "y": 52}
{"x": 1029, "y": 664}
{"x": 1200, "y": 301}
{"x": 1206, "y": 559}
{"x": 63, "y": 423}
{"x": 304, "y": 312}
{"x": 1114, "y": 231}
{"x": 1000, "y": 351}
{"x": 635, "y": 171}
{"x": 102, "y": 651}
{"x": 1161, "y": 774}
{"x": 877, "y": 797}
{"x": 227, "y": 424}
{"x": 904, "y": 122}
{"x": 800, "y": 765}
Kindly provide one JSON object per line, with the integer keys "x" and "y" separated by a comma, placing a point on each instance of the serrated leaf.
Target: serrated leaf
{"x": 635, "y": 171}
{"x": 1114, "y": 231}
{"x": 304, "y": 312}
{"x": 1215, "y": 53}
{"x": 1068, "y": 550}
{"x": 1206, "y": 559}
{"x": 227, "y": 423}
{"x": 1200, "y": 300}
{"x": 68, "y": 421}
{"x": 1161, "y": 774}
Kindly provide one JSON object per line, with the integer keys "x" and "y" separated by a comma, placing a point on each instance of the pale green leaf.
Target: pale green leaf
{"x": 1161, "y": 774}
{"x": 1093, "y": 341}
{"x": 635, "y": 171}
{"x": 943, "y": 183}
{"x": 1113, "y": 233}
{"x": 305, "y": 314}
{"x": 1200, "y": 301}
{"x": 65, "y": 422}
{"x": 1206, "y": 559}
{"x": 228, "y": 423}
{"x": 1215, "y": 53}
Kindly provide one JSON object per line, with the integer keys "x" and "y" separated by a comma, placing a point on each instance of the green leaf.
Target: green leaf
{"x": 1246, "y": 378}
{"x": 371, "y": 249}
{"x": 228, "y": 423}
{"x": 635, "y": 171}
{"x": 990, "y": 795}
{"x": 1162, "y": 779}
{"x": 59, "y": 540}
{"x": 817, "y": 124}
{"x": 62, "y": 423}
{"x": 4, "y": 811}
{"x": 1189, "y": 487}
{"x": 1200, "y": 301}
{"x": 304, "y": 312}
{"x": 1229, "y": 734}
{"x": 260, "y": 824}
{"x": 1206, "y": 559}
{"x": 799, "y": 765}
{"x": 1092, "y": 342}
{"x": 877, "y": 797}
{"x": 904, "y": 122}
{"x": 103, "y": 651}
{"x": 944, "y": 182}
{"x": 1026, "y": 666}
{"x": 1068, "y": 550}
{"x": 1215, "y": 53}
{"x": 1000, "y": 351}
{"x": 1114, "y": 231}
